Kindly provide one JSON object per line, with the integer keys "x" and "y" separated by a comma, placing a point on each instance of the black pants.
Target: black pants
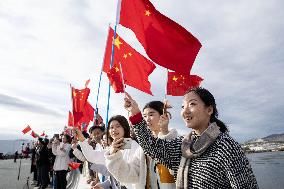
{"x": 61, "y": 181}
{"x": 43, "y": 174}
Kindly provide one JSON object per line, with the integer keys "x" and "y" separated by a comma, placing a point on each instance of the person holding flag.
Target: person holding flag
{"x": 153, "y": 175}
{"x": 207, "y": 157}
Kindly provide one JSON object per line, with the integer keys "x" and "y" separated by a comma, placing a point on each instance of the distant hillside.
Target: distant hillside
{"x": 275, "y": 137}
{"x": 10, "y": 146}
{"x": 270, "y": 138}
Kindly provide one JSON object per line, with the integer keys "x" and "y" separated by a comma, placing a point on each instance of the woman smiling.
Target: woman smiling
{"x": 207, "y": 157}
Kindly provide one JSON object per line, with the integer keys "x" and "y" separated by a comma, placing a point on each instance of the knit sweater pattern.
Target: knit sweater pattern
{"x": 222, "y": 165}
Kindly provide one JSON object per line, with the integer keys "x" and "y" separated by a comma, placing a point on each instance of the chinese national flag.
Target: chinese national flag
{"x": 70, "y": 119}
{"x": 178, "y": 84}
{"x": 115, "y": 79}
{"x": 27, "y": 129}
{"x": 135, "y": 67}
{"x": 43, "y": 134}
{"x": 33, "y": 134}
{"x": 85, "y": 116}
{"x": 79, "y": 97}
{"x": 165, "y": 42}
{"x": 74, "y": 165}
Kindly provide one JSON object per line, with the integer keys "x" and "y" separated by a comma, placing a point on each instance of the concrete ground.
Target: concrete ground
{"x": 9, "y": 174}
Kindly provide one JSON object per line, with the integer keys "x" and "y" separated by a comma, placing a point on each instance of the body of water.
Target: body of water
{"x": 268, "y": 168}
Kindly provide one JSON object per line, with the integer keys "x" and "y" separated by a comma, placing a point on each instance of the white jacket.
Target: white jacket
{"x": 134, "y": 171}
{"x": 93, "y": 156}
{"x": 97, "y": 156}
{"x": 62, "y": 156}
{"x": 79, "y": 155}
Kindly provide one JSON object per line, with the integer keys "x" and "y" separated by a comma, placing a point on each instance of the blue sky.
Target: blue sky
{"x": 46, "y": 45}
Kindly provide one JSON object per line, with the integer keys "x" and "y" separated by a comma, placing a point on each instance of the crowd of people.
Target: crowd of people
{"x": 142, "y": 152}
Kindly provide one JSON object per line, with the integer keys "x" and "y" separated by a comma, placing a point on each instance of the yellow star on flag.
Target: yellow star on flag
{"x": 147, "y": 13}
{"x": 130, "y": 54}
{"x": 125, "y": 56}
{"x": 117, "y": 43}
{"x": 175, "y": 78}
{"x": 116, "y": 69}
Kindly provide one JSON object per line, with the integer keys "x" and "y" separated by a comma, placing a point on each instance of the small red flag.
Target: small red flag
{"x": 178, "y": 84}
{"x": 27, "y": 129}
{"x": 79, "y": 98}
{"x": 74, "y": 165}
{"x": 135, "y": 67}
{"x": 165, "y": 42}
{"x": 115, "y": 79}
{"x": 43, "y": 134}
{"x": 70, "y": 119}
{"x": 33, "y": 134}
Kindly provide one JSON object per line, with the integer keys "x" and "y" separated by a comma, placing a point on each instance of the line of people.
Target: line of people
{"x": 144, "y": 153}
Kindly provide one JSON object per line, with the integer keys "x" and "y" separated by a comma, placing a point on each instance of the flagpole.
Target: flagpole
{"x": 122, "y": 78}
{"x": 112, "y": 54}
{"x": 98, "y": 93}
{"x": 124, "y": 86}
{"x": 165, "y": 100}
{"x": 72, "y": 104}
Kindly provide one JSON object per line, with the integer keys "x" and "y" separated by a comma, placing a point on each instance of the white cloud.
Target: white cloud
{"x": 45, "y": 45}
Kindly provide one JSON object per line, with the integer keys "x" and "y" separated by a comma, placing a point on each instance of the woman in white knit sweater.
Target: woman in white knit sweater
{"x": 118, "y": 128}
{"x": 143, "y": 170}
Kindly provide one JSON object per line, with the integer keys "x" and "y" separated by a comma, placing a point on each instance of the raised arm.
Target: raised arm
{"x": 93, "y": 156}
{"x": 167, "y": 152}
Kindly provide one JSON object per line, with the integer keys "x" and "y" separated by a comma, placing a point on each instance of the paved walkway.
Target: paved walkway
{"x": 9, "y": 174}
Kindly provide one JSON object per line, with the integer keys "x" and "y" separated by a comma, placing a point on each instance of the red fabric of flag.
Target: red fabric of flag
{"x": 43, "y": 134}
{"x": 135, "y": 67}
{"x": 70, "y": 119}
{"x": 27, "y": 129}
{"x": 165, "y": 42}
{"x": 74, "y": 165}
{"x": 85, "y": 116}
{"x": 115, "y": 79}
{"x": 79, "y": 97}
{"x": 33, "y": 134}
{"x": 178, "y": 84}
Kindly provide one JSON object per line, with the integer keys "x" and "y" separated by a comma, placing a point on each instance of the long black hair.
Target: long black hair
{"x": 123, "y": 122}
{"x": 209, "y": 100}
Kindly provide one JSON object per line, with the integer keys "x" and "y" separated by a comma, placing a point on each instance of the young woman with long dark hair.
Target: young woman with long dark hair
{"x": 207, "y": 157}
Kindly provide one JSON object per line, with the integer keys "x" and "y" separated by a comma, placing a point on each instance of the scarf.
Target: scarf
{"x": 192, "y": 147}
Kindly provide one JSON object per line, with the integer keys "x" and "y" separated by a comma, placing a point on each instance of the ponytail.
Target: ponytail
{"x": 223, "y": 127}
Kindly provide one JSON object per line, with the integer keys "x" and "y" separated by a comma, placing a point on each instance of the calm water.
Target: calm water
{"x": 269, "y": 169}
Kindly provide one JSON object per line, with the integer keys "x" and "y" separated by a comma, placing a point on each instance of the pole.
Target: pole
{"x": 112, "y": 54}
{"x": 20, "y": 162}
